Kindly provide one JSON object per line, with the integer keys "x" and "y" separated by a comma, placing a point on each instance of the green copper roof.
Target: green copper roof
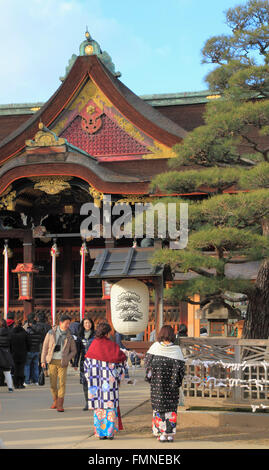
{"x": 21, "y": 108}
{"x": 170, "y": 99}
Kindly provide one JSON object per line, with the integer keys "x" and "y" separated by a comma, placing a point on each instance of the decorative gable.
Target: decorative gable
{"x": 92, "y": 123}
{"x": 105, "y": 139}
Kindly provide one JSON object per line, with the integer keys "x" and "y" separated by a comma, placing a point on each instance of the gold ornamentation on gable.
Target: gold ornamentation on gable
{"x": 96, "y": 195}
{"x": 45, "y": 138}
{"x": 98, "y": 104}
{"x": 159, "y": 151}
{"x": 52, "y": 184}
{"x": 134, "y": 199}
{"x": 91, "y": 119}
{"x": 7, "y": 201}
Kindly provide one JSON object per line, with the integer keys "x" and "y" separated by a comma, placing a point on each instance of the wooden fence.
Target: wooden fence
{"x": 222, "y": 371}
{"x": 230, "y": 369}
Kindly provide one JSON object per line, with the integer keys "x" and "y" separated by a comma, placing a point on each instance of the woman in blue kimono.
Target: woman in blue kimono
{"x": 104, "y": 369}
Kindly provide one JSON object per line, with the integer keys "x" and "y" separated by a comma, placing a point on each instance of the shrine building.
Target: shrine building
{"x": 93, "y": 137}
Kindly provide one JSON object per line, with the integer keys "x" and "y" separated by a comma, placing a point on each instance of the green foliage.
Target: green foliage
{"x": 206, "y": 146}
{"x": 209, "y": 288}
{"x": 257, "y": 177}
{"x": 227, "y": 124}
{"x": 231, "y": 240}
{"x": 185, "y": 260}
{"x": 230, "y": 151}
{"x": 184, "y": 182}
{"x": 242, "y": 210}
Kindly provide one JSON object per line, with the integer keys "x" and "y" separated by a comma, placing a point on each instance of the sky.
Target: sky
{"x": 155, "y": 44}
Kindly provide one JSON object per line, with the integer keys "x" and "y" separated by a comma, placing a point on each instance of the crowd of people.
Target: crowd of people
{"x": 26, "y": 350}
{"x": 20, "y": 349}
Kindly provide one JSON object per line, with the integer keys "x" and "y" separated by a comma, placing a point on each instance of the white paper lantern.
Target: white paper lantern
{"x": 129, "y": 300}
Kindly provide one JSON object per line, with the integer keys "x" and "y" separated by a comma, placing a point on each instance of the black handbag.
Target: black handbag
{"x": 41, "y": 378}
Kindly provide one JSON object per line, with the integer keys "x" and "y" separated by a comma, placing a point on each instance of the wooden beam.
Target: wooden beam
{"x": 158, "y": 283}
{"x": 15, "y": 233}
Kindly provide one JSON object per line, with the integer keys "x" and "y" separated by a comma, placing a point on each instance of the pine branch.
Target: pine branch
{"x": 202, "y": 272}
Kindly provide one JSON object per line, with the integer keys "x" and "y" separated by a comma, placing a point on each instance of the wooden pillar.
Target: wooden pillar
{"x": 193, "y": 319}
{"x": 158, "y": 304}
{"x": 110, "y": 242}
{"x": 108, "y": 316}
{"x": 183, "y": 313}
{"x": 28, "y": 257}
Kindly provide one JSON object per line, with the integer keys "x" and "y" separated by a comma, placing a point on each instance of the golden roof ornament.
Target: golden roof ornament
{"x": 52, "y": 184}
{"x": 96, "y": 195}
{"x": 45, "y": 138}
{"x": 7, "y": 200}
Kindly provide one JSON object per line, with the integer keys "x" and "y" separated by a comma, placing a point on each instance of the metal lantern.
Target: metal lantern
{"x": 25, "y": 273}
{"x": 129, "y": 300}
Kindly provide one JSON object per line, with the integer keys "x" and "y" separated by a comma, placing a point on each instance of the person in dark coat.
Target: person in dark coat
{"x": 10, "y": 323}
{"x": 10, "y": 320}
{"x": 43, "y": 327}
{"x": 19, "y": 345}
{"x": 84, "y": 340}
{"x": 182, "y": 333}
{"x": 32, "y": 359}
{"x": 165, "y": 368}
{"x": 74, "y": 328}
{"x": 6, "y": 360}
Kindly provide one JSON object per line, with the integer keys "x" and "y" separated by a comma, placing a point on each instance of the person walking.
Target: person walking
{"x": 19, "y": 345}
{"x": 31, "y": 368}
{"x": 104, "y": 369}
{"x": 165, "y": 367}
{"x": 84, "y": 340}
{"x": 59, "y": 348}
{"x": 6, "y": 360}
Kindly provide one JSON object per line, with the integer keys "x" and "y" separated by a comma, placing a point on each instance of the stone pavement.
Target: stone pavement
{"x": 26, "y": 422}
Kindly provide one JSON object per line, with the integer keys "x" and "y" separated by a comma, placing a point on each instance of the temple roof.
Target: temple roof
{"x": 135, "y": 116}
{"x": 120, "y": 263}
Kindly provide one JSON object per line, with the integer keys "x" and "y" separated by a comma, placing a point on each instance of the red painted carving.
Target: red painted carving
{"x": 110, "y": 140}
{"x": 91, "y": 119}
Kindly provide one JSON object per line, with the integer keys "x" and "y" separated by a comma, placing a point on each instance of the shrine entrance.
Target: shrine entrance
{"x": 37, "y": 212}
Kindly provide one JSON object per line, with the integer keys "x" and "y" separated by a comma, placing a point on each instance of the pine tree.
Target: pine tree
{"x": 230, "y": 152}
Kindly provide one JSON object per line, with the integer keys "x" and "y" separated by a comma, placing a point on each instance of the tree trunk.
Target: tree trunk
{"x": 256, "y": 325}
{"x": 265, "y": 226}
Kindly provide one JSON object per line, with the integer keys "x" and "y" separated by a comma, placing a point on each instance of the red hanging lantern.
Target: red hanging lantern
{"x": 25, "y": 273}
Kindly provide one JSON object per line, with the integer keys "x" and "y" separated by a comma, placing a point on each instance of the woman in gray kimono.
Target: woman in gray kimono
{"x": 165, "y": 367}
